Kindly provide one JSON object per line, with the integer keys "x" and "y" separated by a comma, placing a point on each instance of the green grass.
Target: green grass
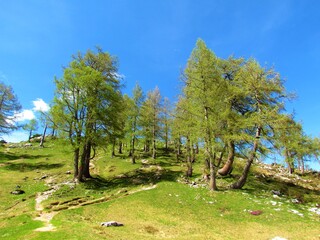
{"x": 171, "y": 210}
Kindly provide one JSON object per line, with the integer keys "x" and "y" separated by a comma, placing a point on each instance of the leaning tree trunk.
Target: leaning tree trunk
{"x": 242, "y": 180}
{"x": 227, "y": 168}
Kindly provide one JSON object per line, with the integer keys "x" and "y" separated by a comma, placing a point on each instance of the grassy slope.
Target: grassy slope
{"x": 172, "y": 210}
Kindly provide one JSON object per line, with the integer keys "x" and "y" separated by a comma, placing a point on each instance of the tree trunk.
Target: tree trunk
{"x": 166, "y": 139}
{"x": 210, "y": 156}
{"x": 80, "y": 176}
{"x": 189, "y": 159}
{"x": 193, "y": 158}
{"x": 76, "y": 162}
{"x": 53, "y": 132}
{"x": 154, "y": 154}
{"x": 120, "y": 147}
{"x": 133, "y": 157}
{"x": 227, "y": 168}
{"x": 86, "y": 171}
{"x": 113, "y": 148}
{"x": 30, "y": 134}
{"x": 43, "y": 136}
{"x": 302, "y": 166}
{"x": 242, "y": 180}
{"x": 289, "y": 162}
{"x": 213, "y": 182}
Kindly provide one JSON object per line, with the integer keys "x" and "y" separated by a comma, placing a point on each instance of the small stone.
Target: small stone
{"x": 111, "y": 224}
{"x": 278, "y": 193}
{"x": 68, "y": 172}
{"x": 44, "y": 177}
{"x": 17, "y": 192}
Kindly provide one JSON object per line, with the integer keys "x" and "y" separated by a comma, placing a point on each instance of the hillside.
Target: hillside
{"x": 151, "y": 198}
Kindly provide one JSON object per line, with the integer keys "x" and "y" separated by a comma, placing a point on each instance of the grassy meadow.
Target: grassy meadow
{"x": 151, "y": 198}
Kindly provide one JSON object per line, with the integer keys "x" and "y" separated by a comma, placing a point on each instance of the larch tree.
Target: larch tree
{"x": 150, "y": 119}
{"x": 134, "y": 106}
{"x": 87, "y": 105}
{"x": 235, "y": 109}
{"x": 166, "y": 119}
{"x": 30, "y": 127}
{"x": 185, "y": 126}
{"x": 9, "y": 107}
{"x": 205, "y": 91}
{"x": 265, "y": 96}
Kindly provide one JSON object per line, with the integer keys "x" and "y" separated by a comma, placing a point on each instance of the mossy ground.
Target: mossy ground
{"x": 126, "y": 193}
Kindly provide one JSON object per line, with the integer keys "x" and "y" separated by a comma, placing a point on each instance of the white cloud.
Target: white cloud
{"x": 24, "y": 115}
{"x": 40, "y": 105}
{"x": 16, "y": 136}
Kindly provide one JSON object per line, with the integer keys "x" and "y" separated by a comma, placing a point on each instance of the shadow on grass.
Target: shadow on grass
{"x": 4, "y": 157}
{"x": 25, "y": 167}
{"x": 151, "y": 174}
{"x": 290, "y": 189}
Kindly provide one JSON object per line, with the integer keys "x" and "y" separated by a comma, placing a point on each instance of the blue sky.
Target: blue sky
{"x": 153, "y": 40}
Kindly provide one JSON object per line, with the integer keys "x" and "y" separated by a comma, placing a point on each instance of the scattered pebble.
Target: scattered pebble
{"x": 296, "y": 212}
{"x": 315, "y": 210}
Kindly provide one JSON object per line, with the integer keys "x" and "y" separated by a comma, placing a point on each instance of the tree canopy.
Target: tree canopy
{"x": 9, "y": 107}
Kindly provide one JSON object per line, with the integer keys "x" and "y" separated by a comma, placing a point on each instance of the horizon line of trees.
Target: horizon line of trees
{"x": 226, "y": 108}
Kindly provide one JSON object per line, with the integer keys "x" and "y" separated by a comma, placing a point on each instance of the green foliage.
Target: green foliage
{"x": 30, "y": 127}
{"x": 88, "y": 104}
{"x": 9, "y": 106}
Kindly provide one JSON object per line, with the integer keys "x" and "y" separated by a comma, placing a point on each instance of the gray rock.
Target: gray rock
{"x": 111, "y": 224}
{"x": 17, "y": 192}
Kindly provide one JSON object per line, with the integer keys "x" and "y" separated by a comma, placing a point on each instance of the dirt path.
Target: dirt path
{"x": 46, "y": 217}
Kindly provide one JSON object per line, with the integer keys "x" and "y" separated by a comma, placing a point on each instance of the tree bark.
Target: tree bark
{"x": 154, "y": 154}
{"x": 43, "y": 136}
{"x": 133, "y": 157}
{"x": 227, "y": 168}
{"x": 113, "y": 148}
{"x": 302, "y": 166}
{"x": 210, "y": 156}
{"x": 120, "y": 147}
{"x": 76, "y": 162}
{"x": 242, "y": 180}
{"x": 289, "y": 162}
{"x": 82, "y": 164}
{"x": 189, "y": 159}
{"x": 213, "y": 182}
{"x": 86, "y": 171}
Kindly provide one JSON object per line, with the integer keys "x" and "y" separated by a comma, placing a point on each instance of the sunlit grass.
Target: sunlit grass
{"x": 170, "y": 210}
